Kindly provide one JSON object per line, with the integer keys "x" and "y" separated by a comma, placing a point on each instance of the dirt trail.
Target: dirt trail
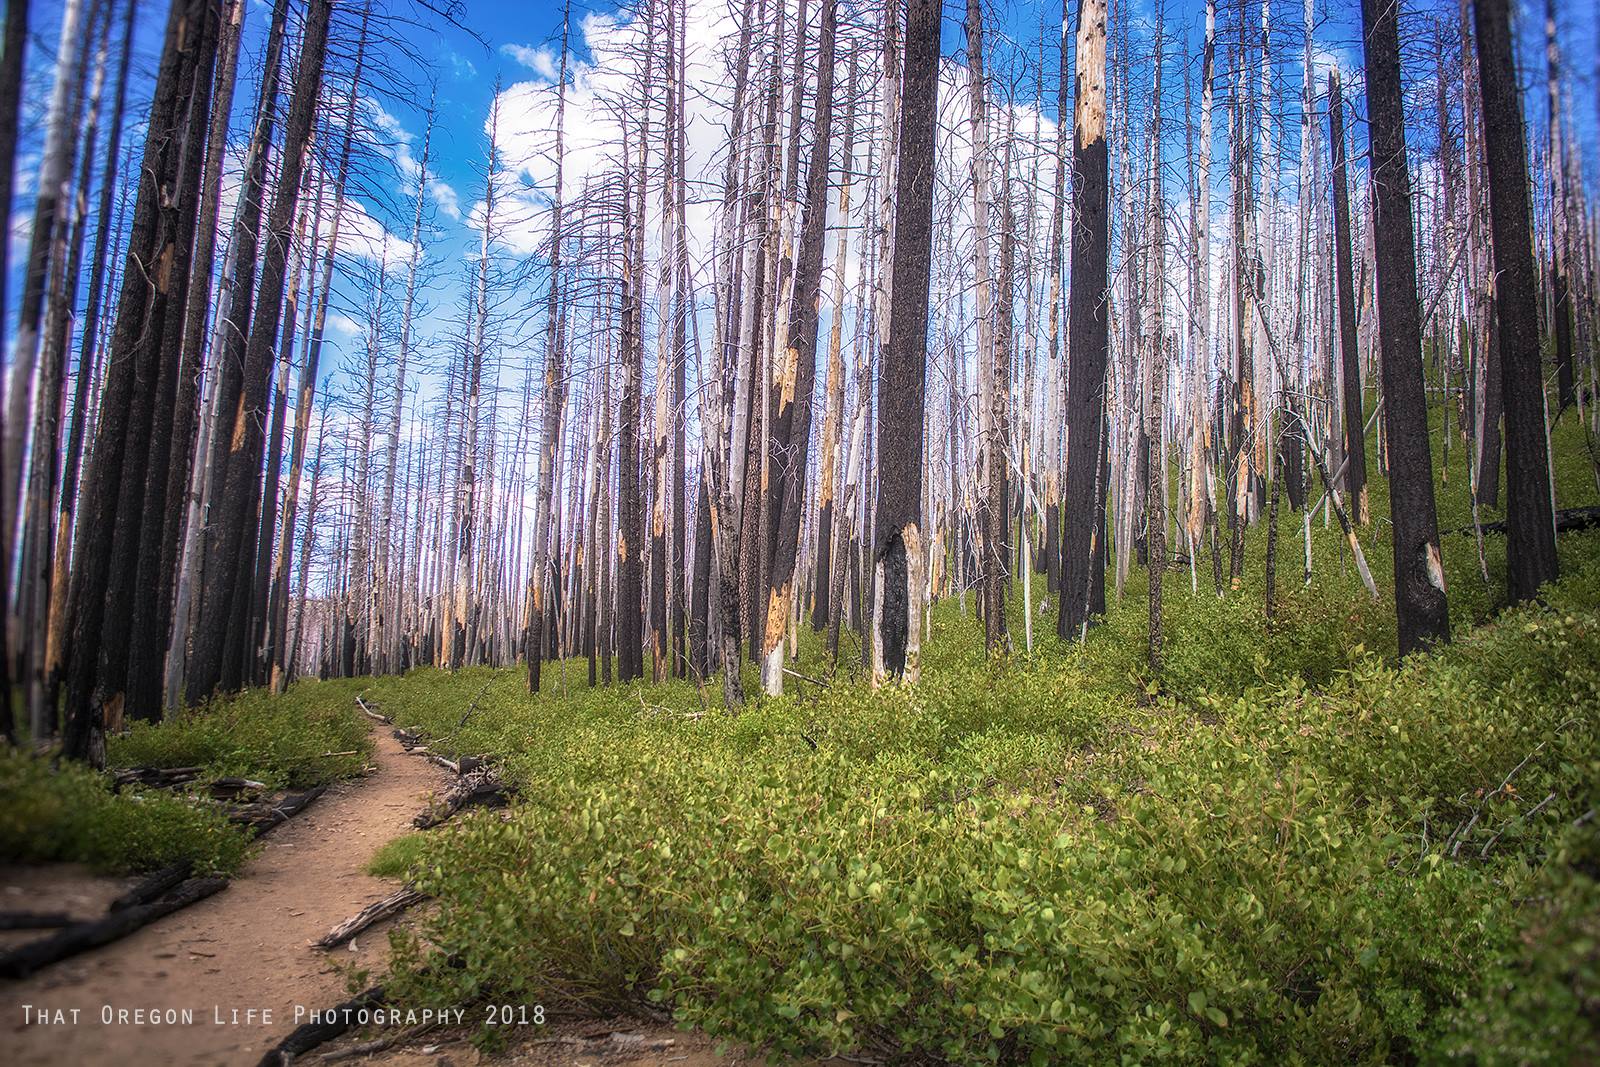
{"x": 241, "y": 961}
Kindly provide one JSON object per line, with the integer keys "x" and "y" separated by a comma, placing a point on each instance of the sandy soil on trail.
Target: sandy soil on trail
{"x": 247, "y": 949}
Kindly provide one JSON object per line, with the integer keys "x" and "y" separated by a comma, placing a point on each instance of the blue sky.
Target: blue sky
{"x": 504, "y": 39}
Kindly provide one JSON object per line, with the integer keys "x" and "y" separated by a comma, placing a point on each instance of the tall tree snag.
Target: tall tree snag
{"x": 1087, "y": 332}
{"x": 1420, "y": 604}
{"x": 897, "y": 545}
{"x": 1530, "y": 533}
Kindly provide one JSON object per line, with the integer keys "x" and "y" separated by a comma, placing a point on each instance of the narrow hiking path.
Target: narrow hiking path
{"x": 240, "y": 961}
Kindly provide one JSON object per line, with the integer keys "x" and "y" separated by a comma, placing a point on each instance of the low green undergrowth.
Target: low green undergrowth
{"x": 396, "y": 858}
{"x": 1322, "y": 857}
{"x": 69, "y": 813}
{"x": 295, "y": 741}
{"x": 1281, "y": 847}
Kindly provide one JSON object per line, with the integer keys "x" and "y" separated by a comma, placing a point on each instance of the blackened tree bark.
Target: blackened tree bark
{"x": 1355, "y": 439}
{"x": 1561, "y": 259}
{"x": 153, "y": 288}
{"x": 791, "y": 425}
{"x": 51, "y": 200}
{"x": 897, "y": 548}
{"x": 833, "y": 415}
{"x": 99, "y": 261}
{"x": 132, "y": 639}
{"x": 1420, "y": 603}
{"x": 1087, "y": 335}
{"x": 630, "y": 540}
{"x": 43, "y": 585}
{"x": 1530, "y": 535}
{"x": 240, "y": 475}
{"x": 700, "y": 588}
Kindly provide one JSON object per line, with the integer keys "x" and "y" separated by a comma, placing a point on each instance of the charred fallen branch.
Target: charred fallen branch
{"x": 33, "y": 920}
{"x": 266, "y": 817}
{"x": 481, "y": 788}
{"x": 1568, "y": 520}
{"x": 153, "y": 885}
{"x": 154, "y": 777}
{"x": 177, "y": 777}
{"x": 325, "y": 1026}
{"x": 80, "y": 937}
{"x": 373, "y": 913}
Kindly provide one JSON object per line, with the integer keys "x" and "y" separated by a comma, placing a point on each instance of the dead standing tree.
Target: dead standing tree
{"x": 161, "y": 235}
{"x": 1420, "y": 603}
{"x": 1530, "y": 531}
{"x": 897, "y": 537}
{"x": 1087, "y": 327}
{"x": 224, "y": 603}
{"x": 791, "y": 425}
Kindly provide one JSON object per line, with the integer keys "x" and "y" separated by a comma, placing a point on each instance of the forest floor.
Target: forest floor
{"x": 244, "y": 964}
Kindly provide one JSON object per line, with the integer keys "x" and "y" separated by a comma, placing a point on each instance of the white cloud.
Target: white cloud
{"x": 539, "y": 60}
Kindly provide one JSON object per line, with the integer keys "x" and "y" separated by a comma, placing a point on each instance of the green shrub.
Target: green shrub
{"x": 308, "y": 736}
{"x": 396, "y": 858}
{"x": 69, "y": 813}
{"x": 1029, "y": 864}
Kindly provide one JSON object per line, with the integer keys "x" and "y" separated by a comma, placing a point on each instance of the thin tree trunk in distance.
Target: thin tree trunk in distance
{"x": 1355, "y": 438}
{"x": 555, "y": 393}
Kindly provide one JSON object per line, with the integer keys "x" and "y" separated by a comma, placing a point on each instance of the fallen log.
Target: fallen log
{"x": 22, "y": 961}
{"x": 373, "y": 913}
{"x": 480, "y": 789}
{"x": 408, "y": 739}
{"x": 1568, "y": 520}
{"x": 33, "y": 920}
{"x": 154, "y": 885}
{"x": 266, "y": 817}
{"x": 229, "y": 788}
{"x": 154, "y": 777}
{"x": 329, "y": 1023}
{"x": 371, "y": 713}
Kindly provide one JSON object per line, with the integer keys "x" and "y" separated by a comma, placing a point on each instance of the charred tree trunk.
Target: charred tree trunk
{"x": 1420, "y": 603}
{"x": 791, "y": 426}
{"x": 161, "y": 235}
{"x": 227, "y": 550}
{"x": 1530, "y": 536}
{"x": 897, "y": 536}
{"x": 1087, "y": 334}
{"x": 1355, "y": 437}
{"x": 555, "y": 395}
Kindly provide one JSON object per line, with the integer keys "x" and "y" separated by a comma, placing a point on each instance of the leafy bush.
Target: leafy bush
{"x": 308, "y": 736}
{"x": 396, "y": 858}
{"x": 69, "y": 813}
{"x": 1283, "y": 847}
{"x": 1032, "y": 864}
